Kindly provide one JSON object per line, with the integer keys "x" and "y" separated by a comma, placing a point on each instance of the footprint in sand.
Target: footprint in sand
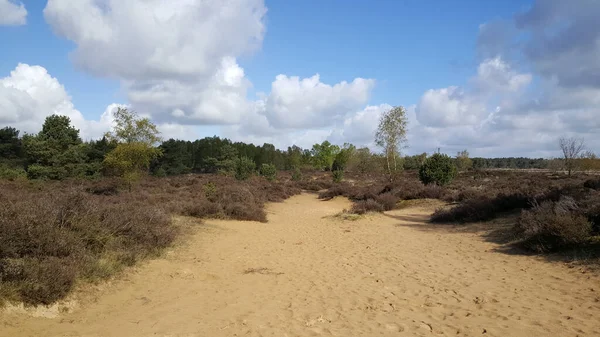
{"x": 395, "y": 327}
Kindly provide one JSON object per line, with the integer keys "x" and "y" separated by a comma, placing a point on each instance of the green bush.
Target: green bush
{"x": 297, "y": 174}
{"x": 269, "y": 171}
{"x": 438, "y": 169}
{"x": 244, "y": 167}
{"x": 46, "y": 172}
{"x": 338, "y": 176}
{"x": 12, "y": 173}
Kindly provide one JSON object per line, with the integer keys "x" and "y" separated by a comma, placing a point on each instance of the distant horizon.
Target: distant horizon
{"x": 500, "y": 79}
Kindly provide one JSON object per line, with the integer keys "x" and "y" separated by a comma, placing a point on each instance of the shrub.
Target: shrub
{"x": 337, "y": 175}
{"x": 269, "y": 171}
{"x": 364, "y": 206}
{"x": 244, "y": 167}
{"x": 550, "y": 226}
{"x": 104, "y": 187}
{"x": 60, "y": 235}
{"x": 438, "y": 169}
{"x": 297, "y": 175}
{"x": 334, "y": 191}
{"x": 387, "y": 200}
{"x": 592, "y": 183}
{"x": 210, "y": 191}
{"x": 482, "y": 208}
{"x": 12, "y": 173}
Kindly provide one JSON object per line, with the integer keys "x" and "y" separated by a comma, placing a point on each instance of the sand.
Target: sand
{"x": 306, "y": 273}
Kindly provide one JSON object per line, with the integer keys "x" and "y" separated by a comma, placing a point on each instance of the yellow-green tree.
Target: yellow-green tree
{"x": 463, "y": 162}
{"x": 136, "y": 138}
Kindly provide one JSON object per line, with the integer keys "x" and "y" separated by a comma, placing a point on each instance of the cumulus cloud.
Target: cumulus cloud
{"x": 538, "y": 77}
{"x": 177, "y": 62}
{"x": 175, "y": 59}
{"x": 524, "y": 113}
{"x": 30, "y": 94}
{"x": 12, "y": 13}
{"x": 309, "y": 103}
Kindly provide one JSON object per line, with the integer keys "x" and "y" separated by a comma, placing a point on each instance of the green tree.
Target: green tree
{"x": 269, "y": 171}
{"x": 463, "y": 162}
{"x": 10, "y": 144}
{"x": 293, "y": 157}
{"x": 324, "y": 154}
{"x": 130, "y": 128}
{"x": 136, "y": 138}
{"x": 244, "y": 168}
{"x": 344, "y": 156}
{"x": 391, "y": 135}
{"x": 56, "y": 152}
{"x": 58, "y": 132}
{"x": 438, "y": 169}
{"x": 363, "y": 161}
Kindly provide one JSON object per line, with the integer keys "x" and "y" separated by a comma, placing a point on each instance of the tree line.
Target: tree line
{"x": 134, "y": 147}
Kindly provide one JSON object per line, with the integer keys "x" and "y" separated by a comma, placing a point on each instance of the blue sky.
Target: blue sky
{"x": 460, "y": 82}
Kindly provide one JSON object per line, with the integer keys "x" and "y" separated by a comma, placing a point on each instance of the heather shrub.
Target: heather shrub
{"x": 550, "y": 226}
{"x": 438, "y": 169}
{"x": 269, "y": 171}
{"x": 592, "y": 183}
{"x": 387, "y": 200}
{"x": 52, "y": 238}
{"x": 364, "y": 206}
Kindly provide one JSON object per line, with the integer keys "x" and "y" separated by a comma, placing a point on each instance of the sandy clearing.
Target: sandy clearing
{"x": 306, "y": 274}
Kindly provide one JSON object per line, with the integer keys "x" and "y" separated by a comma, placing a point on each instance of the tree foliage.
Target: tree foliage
{"x": 438, "y": 169}
{"x": 244, "y": 168}
{"x": 463, "y": 162}
{"x": 130, "y": 128}
{"x": 391, "y": 135}
{"x": 343, "y": 157}
{"x": 269, "y": 171}
{"x": 135, "y": 151}
{"x": 324, "y": 155}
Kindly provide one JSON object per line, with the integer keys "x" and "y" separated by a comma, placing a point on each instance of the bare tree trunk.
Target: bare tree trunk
{"x": 387, "y": 157}
{"x": 395, "y": 166}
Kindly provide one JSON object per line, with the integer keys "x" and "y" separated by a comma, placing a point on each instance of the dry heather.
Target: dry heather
{"x": 53, "y": 234}
{"x": 484, "y": 195}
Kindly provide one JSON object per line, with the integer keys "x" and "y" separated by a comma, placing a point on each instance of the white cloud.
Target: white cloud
{"x": 12, "y": 13}
{"x": 309, "y": 103}
{"x": 177, "y": 62}
{"x": 29, "y": 94}
{"x": 176, "y": 59}
{"x": 449, "y": 106}
{"x": 494, "y": 76}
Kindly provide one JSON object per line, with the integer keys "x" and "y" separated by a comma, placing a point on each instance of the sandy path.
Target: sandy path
{"x": 305, "y": 275}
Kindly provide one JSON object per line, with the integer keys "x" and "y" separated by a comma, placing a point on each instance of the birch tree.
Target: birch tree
{"x": 391, "y": 136}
